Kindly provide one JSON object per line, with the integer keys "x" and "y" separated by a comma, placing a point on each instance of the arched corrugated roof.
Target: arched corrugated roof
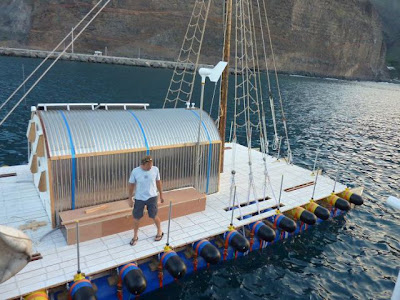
{"x": 94, "y": 131}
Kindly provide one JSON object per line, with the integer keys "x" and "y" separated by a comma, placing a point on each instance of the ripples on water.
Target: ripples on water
{"x": 356, "y": 125}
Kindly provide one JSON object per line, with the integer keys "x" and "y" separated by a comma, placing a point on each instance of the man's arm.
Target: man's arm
{"x": 159, "y": 187}
{"x": 131, "y": 190}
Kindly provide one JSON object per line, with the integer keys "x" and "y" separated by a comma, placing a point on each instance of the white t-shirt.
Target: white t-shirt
{"x": 146, "y": 187}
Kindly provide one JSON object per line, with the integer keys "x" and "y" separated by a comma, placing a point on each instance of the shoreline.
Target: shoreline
{"x": 91, "y": 58}
{"x": 154, "y": 63}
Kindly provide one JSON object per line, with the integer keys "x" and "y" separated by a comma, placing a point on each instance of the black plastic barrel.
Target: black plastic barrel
{"x": 237, "y": 241}
{"x": 82, "y": 290}
{"x": 262, "y": 231}
{"x": 207, "y": 251}
{"x": 173, "y": 264}
{"x": 133, "y": 278}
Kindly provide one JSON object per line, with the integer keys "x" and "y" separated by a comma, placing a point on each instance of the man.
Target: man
{"x": 145, "y": 179}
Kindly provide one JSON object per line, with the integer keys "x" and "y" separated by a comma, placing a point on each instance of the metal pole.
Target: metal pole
{"x": 197, "y": 158}
{"x": 315, "y": 184}
{"x": 77, "y": 247}
{"x": 233, "y": 204}
{"x": 315, "y": 161}
{"x": 225, "y": 82}
{"x": 169, "y": 221}
{"x": 280, "y": 194}
{"x": 336, "y": 179}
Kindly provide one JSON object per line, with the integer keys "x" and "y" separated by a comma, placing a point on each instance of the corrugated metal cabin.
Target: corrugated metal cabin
{"x": 83, "y": 157}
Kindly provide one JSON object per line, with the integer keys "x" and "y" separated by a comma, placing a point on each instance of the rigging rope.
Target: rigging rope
{"x": 182, "y": 81}
{"x": 271, "y": 99}
{"x": 53, "y": 63}
{"x": 249, "y": 113}
{"x": 290, "y": 158}
{"x": 47, "y": 57}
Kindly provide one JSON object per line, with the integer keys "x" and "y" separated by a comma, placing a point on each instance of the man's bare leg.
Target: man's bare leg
{"x": 158, "y": 225}
{"x": 135, "y": 228}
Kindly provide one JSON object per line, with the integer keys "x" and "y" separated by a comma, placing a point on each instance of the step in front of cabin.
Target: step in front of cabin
{"x": 114, "y": 217}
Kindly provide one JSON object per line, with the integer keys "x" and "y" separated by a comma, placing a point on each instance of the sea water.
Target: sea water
{"x": 355, "y": 125}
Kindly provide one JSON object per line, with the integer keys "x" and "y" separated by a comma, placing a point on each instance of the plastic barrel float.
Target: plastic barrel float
{"x": 38, "y": 295}
{"x": 284, "y": 223}
{"x": 338, "y": 202}
{"x": 303, "y": 215}
{"x": 321, "y": 212}
{"x": 262, "y": 231}
{"x": 351, "y": 197}
{"x": 81, "y": 288}
{"x": 173, "y": 263}
{"x": 207, "y": 251}
{"x": 236, "y": 240}
{"x": 132, "y": 278}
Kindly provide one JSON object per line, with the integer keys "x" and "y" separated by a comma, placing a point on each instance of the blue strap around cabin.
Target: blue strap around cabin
{"x": 209, "y": 149}
{"x": 73, "y": 159}
{"x": 144, "y": 134}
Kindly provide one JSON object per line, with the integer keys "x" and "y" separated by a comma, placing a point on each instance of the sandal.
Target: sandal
{"x": 159, "y": 237}
{"x": 133, "y": 241}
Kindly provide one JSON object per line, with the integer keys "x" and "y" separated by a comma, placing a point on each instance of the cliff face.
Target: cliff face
{"x": 336, "y": 38}
{"x": 389, "y": 10}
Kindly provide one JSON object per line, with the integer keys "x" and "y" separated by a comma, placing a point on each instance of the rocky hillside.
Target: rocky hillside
{"x": 389, "y": 10}
{"x": 333, "y": 38}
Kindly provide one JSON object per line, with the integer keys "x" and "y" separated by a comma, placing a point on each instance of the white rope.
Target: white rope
{"x": 271, "y": 100}
{"x": 224, "y": 27}
{"x": 178, "y": 73}
{"x": 261, "y": 115}
{"x": 47, "y": 57}
{"x": 249, "y": 86}
{"x": 52, "y": 64}
{"x": 290, "y": 159}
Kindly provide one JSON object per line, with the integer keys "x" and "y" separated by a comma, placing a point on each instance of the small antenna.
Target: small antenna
{"x": 169, "y": 221}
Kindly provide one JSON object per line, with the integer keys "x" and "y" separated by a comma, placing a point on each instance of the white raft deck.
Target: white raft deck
{"x": 20, "y": 204}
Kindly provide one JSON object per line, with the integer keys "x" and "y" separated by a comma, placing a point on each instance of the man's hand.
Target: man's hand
{"x": 159, "y": 187}
{"x": 131, "y": 190}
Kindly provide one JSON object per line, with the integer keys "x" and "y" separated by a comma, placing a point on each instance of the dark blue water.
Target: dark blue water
{"x": 357, "y": 126}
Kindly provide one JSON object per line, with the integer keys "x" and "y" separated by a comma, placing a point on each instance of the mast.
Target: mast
{"x": 225, "y": 81}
